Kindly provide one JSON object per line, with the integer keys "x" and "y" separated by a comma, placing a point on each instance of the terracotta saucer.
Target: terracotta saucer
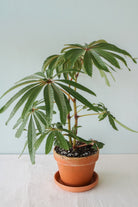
{"x": 91, "y": 185}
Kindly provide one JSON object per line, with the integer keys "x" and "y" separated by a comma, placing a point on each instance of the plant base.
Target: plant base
{"x": 62, "y": 185}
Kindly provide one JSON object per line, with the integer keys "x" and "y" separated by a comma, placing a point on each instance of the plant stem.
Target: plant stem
{"x": 75, "y": 113}
{"x": 67, "y": 94}
{"x": 69, "y": 119}
{"x": 69, "y": 126}
{"x": 91, "y": 114}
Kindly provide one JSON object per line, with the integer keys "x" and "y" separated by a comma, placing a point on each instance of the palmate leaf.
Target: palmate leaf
{"x": 17, "y": 95}
{"x": 78, "y": 97}
{"x": 76, "y": 85}
{"x": 49, "y": 102}
{"x": 72, "y": 55}
{"x": 61, "y": 103}
{"x": 98, "y": 61}
{"x": 108, "y": 56}
{"x": 108, "y": 46}
{"x": 20, "y": 103}
{"x": 88, "y": 63}
{"x": 40, "y": 140}
{"x": 31, "y": 99}
{"x": 42, "y": 117}
{"x": 49, "y": 142}
{"x": 31, "y": 140}
{"x": 61, "y": 140}
{"x": 18, "y": 85}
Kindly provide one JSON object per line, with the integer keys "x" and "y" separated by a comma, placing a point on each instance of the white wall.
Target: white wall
{"x": 31, "y": 30}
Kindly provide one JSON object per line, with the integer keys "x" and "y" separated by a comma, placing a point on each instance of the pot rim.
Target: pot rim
{"x": 76, "y": 160}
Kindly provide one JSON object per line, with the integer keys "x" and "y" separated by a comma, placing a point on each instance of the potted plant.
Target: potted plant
{"x": 57, "y": 83}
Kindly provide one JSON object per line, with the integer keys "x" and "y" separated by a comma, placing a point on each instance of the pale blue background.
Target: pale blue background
{"x": 31, "y": 30}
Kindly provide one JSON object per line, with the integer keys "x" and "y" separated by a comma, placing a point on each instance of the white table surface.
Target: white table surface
{"x": 26, "y": 185}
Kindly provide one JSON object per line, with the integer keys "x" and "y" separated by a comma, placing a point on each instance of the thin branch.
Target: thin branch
{"x": 92, "y": 114}
{"x": 67, "y": 94}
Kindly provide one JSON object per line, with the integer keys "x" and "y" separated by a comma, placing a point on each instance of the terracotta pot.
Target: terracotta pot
{"x": 75, "y": 171}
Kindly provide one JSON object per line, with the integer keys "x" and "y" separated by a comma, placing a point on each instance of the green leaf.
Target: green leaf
{"x": 20, "y": 103}
{"x": 72, "y": 55}
{"x": 49, "y": 142}
{"x": 96, "y": 42}
{"x": 111, "y": 120}
{"x": 99, "y": 144}
{"x": 61, "y": 103}
{"x": 76, "y": 85}
{"x": 67, "y": 71}
{"x": 76, "y": 137}
{"x": 39, "y": 140}
{"x": 62, "y": 141}
{"x": 108, "y": 46}
{"x": 103, "y": 75}
{"x": 18, "y": 122}
{"x": 48, "y": 61}
{"x": 51, "y": 68}
{"x": 35, "y": 76}
{"x": 88, "y": 63}
{"x": 125, "y": 126}
{"x": 109, "y": 57}
{"x": 42, "y": 117}
{"x": 59, "y": 125}
{"x": 71, "y": 46}
{"x": 78, "y": 97}
{"x": 102, "y": 116}
{"x": 18, "y": 85}
{"x": 31, "y": 140}
{"x": 31, "y": 99}
{"x": 75, "y": 46}
{"x": 98, "y": 61}
{"x": 39, "y": 124}
{"x": 49, "y": 101}
{"x": 112, "y": 76}
{"x": 120, "y": 58}
{"x": 67, "y": 104}
{"x": 40, "y": 74}
{"x": 41, "y": 108}
{"x": 15, "y": 97}
{"x": 22, "y": 127}
{"x": 26, "y": 143}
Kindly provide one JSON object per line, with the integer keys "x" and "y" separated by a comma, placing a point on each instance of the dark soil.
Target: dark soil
{"x": 79, "y": 151}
